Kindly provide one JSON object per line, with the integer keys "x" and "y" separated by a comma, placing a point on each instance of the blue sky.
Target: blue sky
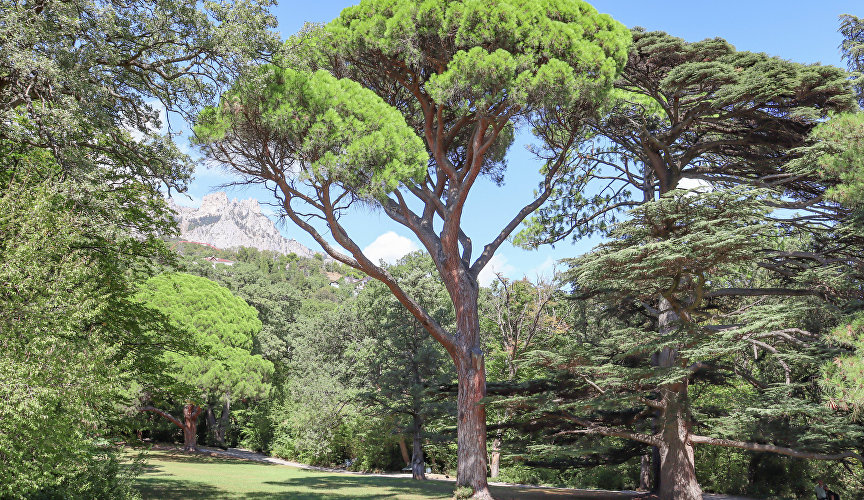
{"x": 793, "y": 29}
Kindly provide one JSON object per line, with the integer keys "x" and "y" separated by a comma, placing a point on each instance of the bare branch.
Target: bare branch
{"x": 770, "y": 448}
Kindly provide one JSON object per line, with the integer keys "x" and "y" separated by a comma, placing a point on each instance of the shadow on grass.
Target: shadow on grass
{"x": 360, "y": 487}
{"x": 177, "y": 489}
{"x": 199, "y": 458}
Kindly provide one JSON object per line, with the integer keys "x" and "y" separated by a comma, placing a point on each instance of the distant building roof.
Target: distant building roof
{"x": 217, "y": 260}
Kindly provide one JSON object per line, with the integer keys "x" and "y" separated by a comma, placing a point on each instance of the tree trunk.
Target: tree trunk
{"x": 645, "y": 472}
{"x": 189, "y": 424}
{"x": 224, "y": 420}
{"x": 403, "y": 448}
{"x": 219, "y": 428}
{"x": 212, "y": 428}
{"x": 418, "y": 463}
{"x": 190, "y": 427}
{"x": 677, "y": 463}
{"x": 471, "y": 375}
{"x": 495, "y": 460}
{"x": 471, "y": 424}
{"x": 495, "y": 456}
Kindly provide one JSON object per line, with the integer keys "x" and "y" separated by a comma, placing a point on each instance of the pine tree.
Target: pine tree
{"x": 680, "y": 326}
{"x": 707, "y": 113}
{"x": 431, "y": 94}
{"x": 852, "y": 47}
{"x": 398, "y": 364}
{"x": 218, "y": 328}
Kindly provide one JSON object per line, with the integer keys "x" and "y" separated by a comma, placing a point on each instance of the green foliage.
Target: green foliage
{"x": 844, "y": 375}
{"x": 461, "y": 75}
{"x": 518, "y": 316}
{"x": 838, "y": 158}
{"x": 684, "y": 110}
{"x": 78, "y": 75}
{"x": 852, "y": 29}
{"x": 463, "y": 492}
{"x": 273, "y": 284}
{"x": 676, "y": 279}
{"x": 482, "y": 56}
{"x": 678, "y": 244}
{"x": 219, "y": 327}
{"x": 71, "y": 255}
{"x": 309, "y": 410}
{"x": 334, "y": 130}
{"x": 372, "y": 443}
{"x": 397, "y": 362}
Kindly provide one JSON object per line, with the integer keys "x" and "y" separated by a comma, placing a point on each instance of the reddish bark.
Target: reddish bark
{"x": 190, "y": 427}
{"x": 471, "y": 376}
{"x": 403, "y": 448}
{"x": 471, "y": 429}
{"x": 189, "y": 424}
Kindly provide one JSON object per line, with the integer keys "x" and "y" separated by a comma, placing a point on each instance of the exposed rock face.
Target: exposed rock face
{"x": 227, "y": 224}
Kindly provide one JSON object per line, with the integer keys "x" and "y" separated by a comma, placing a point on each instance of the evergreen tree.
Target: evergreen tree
{"x": 398, "y": 364}
{"x": 701, "y": 112}
{"x": 680, "y": 326}
{"x": 852, "y": 47}
{"x": 219, "y": 328}
{"x": 520, "y": 317}
{"x": 708, "y": 113}
{"x": 432, "y": 93}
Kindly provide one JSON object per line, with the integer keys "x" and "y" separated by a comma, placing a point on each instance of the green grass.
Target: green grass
{"x": 175, "y": 475}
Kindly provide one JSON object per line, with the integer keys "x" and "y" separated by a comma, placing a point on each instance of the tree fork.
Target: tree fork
{"x": 189, "y": 424}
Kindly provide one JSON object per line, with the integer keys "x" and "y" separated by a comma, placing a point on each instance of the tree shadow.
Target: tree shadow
{"x": 383, "y": 488}
{"x": 199, "y": 458}
{"x": 177, "y": 489}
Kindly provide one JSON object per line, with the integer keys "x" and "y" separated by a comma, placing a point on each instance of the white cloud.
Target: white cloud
{"x": 497, "y": 264}
{"x": 389, "y": 247}
{"x": 694, "y": 185}
{"x": 545, "y": 269}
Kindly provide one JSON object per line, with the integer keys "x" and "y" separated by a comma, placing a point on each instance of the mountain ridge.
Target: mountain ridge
{"x": 230, "y": 224}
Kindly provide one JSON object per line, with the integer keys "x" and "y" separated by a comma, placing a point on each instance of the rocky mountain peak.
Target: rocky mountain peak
{"x": 226, "y": 223}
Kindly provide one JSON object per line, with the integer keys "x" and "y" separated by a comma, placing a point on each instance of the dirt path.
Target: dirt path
{"x": 241, "y": 454}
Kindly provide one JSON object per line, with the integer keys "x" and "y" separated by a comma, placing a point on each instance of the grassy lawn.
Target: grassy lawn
{"x": 174, "y": 475}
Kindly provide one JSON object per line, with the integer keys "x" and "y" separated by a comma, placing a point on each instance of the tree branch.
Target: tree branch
{"x": 770, "y": 448}
{"x": 174, "y": 420}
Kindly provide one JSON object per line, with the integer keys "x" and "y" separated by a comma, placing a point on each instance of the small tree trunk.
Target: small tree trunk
{"x": 212, "y": 426}
{"x": 224, "y": 422}
{"x": 219, "y": 428}
{"x": 403, "y": 448}
{"x": 645, "y": 472}
{"x": 418, "y": 463}
{"x": 495, "y": 456}
{"x": 190, "y": 427}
